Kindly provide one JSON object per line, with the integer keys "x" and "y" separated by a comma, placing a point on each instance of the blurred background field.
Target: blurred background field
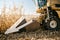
{"x": 9, "y": 16}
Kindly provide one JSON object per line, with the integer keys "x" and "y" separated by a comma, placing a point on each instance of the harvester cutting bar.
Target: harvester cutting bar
{"x": 21, "y": 23}
{"x": 18, "y": 28}
{"x": 24, "y": 25}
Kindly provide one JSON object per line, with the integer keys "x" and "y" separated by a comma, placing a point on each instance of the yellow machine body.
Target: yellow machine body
{"x": 52, "y": 4}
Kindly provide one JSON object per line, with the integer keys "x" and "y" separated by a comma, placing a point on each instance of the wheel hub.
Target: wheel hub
{"x": 53, "y": 24}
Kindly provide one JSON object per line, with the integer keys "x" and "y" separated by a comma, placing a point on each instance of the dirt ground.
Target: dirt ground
{"x": 39, "y": 34}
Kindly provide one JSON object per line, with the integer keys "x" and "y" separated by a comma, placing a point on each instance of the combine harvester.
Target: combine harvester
{"x": 51, "y": 20}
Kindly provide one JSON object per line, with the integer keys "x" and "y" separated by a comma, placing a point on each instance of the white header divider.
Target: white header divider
{"x": 11, "y": 30}
{"x": 15, "y": 24}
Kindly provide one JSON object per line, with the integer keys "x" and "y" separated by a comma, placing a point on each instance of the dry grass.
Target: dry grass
{"x": 7, "y": 20}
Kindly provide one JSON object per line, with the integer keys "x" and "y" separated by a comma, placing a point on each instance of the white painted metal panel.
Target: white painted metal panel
{"x": 13, "y": 27}
{"x": 11, "y": 30}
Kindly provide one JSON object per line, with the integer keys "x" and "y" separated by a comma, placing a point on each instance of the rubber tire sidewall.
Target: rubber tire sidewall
{"x": 48, "y": 24}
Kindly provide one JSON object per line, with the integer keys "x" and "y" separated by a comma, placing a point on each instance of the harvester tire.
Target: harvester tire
{"x": 52, "y": 24}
